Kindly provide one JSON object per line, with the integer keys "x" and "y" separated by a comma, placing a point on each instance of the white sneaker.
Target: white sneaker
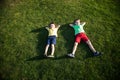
{"x": 50, "y": 56}
{"x": 71, "y": 55}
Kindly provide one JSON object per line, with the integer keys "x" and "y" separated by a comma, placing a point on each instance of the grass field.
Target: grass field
{"x": 23, "y": 38}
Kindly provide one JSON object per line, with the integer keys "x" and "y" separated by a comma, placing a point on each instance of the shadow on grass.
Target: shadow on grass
{"x": 41, "y": 37}
{"x": 35, "y": 58}
{"x": 2, "y": 3}
{"x": 63, "y": 57}
{"x": 68, "y": 34}
{"x": 1, "y": 41}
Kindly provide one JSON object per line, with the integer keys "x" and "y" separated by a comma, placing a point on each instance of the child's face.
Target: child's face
{"x": 77, "y": 22}
{"x": 52, "y": 25}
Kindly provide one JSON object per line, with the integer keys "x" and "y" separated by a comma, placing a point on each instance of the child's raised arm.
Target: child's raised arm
{"x": 83, "y": 23}
{"x": 71, "y": 25}
{"x": 58, "y": 27}
{"x": 47, "y": 28}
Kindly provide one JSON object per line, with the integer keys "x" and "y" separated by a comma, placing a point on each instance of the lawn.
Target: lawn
{"x": 23, "y": 39}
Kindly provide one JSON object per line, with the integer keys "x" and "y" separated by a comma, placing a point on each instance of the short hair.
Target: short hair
{"x": 51, "y": 23}
{"x": 76, "y": 20}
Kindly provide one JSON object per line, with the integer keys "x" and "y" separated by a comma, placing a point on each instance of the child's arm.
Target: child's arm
{"x": 83, "y": 23}
{"x": 47, "y": 28}
{"x": 71, "y": 25}
{"x": 58, "y": 27}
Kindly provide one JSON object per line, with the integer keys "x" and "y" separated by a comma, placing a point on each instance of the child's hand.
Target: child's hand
{"x": 71, "y": 25}
{"x": 58, "y": 26}
{"x": 83, "y": 23}
{"x": 46, "y": 28}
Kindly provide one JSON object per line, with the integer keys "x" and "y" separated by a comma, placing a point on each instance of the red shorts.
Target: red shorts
{"x": 81, "y": 36}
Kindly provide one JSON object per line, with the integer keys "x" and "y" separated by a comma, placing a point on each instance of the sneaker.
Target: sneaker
{"x": 50, "y": 56}
{"x": 97, "y": 53}
{"x": 71, "y": 55}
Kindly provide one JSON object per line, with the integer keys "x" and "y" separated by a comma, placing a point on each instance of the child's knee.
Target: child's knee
{"x": 47, "y": 45}
{"x": 75, "y": 44}
{"x": 52, "y": 45}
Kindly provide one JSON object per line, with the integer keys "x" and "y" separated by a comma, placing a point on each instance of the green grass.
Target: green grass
{"x": 23, "y": 38}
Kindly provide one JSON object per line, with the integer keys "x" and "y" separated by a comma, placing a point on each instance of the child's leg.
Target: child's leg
{"x": 75, "y": 47}
{"x": 46, "y": 49}
{"x": 53, "y": 42}
{"x": 53, "y": 49}
{"x": 90, "y": 46}
{"x": 77, "y": 40}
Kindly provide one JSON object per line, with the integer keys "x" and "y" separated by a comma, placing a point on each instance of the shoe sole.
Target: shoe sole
{"x": 99, "y": 54}
{"x": 50, "y": 57}
{"x": 70, "y": 56}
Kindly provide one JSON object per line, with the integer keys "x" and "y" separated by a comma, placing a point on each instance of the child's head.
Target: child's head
{"x": 52, "y": 25}
{"x": 77, "y": 21}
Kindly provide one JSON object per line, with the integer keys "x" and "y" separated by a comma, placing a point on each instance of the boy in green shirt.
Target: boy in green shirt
{"x": 80, "y": 35}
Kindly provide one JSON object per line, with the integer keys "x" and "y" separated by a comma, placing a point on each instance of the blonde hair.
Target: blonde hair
{"x": 53, "y": 23}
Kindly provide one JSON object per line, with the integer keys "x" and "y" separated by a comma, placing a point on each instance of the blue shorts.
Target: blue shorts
{"x": 51, "y": 40}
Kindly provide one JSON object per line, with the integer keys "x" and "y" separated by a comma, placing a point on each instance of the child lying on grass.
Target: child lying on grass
{"x": 52, "y": 30}
{"x": 80, "y": 35}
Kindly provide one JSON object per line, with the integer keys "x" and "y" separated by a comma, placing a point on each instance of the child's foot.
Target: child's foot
{"x": 50, "y": 56}
{"x": 97, "y": 53}
{"x": 71, "y": 55}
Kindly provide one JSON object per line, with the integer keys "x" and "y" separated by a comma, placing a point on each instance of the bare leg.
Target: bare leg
{"x": 53, "y": 49}
{"x": 90, "y": 46}
{"x": 46, "y": 49}
{"x": 74, "y": 47}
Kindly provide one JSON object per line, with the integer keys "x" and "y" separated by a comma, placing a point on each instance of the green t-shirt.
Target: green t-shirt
{"x": 78, "y": 29}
